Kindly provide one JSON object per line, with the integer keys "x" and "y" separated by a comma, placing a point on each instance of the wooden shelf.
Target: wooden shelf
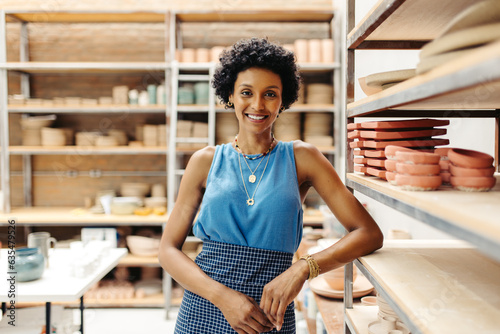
{"x": 131, "y": 260}
{"x": 85, "y": 17}
{"x": 473, "y": 217}
{"x": 305, "y": 15}
{"x": 86, "y": 150}
{"x": 437, "y": 286}
{"x": 101, "y": 109}
{"x": 464, "y": 83}
{"x": 85, "y": 67}
{"x": 46, "y": 216}
{"x": 405, "y": 20}
{"x": 359, "y": 317}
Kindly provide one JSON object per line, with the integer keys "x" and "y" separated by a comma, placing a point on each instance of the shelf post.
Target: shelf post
{"x": 4, "y": 118}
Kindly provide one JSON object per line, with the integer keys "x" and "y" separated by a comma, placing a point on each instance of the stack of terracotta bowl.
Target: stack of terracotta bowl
{"x": 318, "y": 128}
{"x": 391, "y": 162}
{"x": 444, "y": 163}
{"x": 418, "y": 171}
{"x": 474, "y": 27}
{"x": 319, "y": 93}
{"x": 369, "y": 140}
{"x": 471, "y": 170}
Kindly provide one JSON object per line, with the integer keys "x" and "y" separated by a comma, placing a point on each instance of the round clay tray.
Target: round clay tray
{"x": 361, "y": 287}
{"x": 466, "y": 183}
{"x": 390, "y": 165}
{"x": 469, "y": 158}
{"x": 461, "y": 39}
{"x": 483, "y": 12}
{"x": 418, "y": 157}
{"x": 391, "y": 177}
{"x": 419, "y": 169}
{"x": 390, "y": 151}
{"x": 428, "y": 63}
{"x": 382, "y": 78}
{"x": 474, "y": 172}
{"x": 418, "y": 182}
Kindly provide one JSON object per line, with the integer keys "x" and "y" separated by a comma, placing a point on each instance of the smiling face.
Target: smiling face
{"x": 257, "y": 99}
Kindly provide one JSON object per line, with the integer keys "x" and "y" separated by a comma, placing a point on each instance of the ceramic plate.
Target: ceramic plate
{"x": 361, "y": 288}
{"x": 368, "y": 90}
{"x": 403, "y": 143}
{"x": 404, "y": 124}
{"x": 483, "y": 12}
{"x": 428, "y": 63}
{"x": 461, "y": 39}
{"x": 382, "y": 78}
{"x": 382, "y": 135}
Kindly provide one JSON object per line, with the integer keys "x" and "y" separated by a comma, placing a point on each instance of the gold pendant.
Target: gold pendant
{"x": 250, "y": 201}
{"x": 252, "y": 178}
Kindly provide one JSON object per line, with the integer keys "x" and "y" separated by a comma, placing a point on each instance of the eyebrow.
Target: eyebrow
{"x": 248, "y": 85}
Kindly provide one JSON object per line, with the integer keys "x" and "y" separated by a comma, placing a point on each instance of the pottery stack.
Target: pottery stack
{"x": 318, "y": 128}
{"x": 444, "y": 163}
{"x": 474, "y": 27}
{"x": 418, "y": 171}
{"x": 471, "y": 170}
{"x": 388, "y": 321}
{"x": 287, "y": 126}
{"x": 32, "y": 128}
{"x": 369, "y": 140}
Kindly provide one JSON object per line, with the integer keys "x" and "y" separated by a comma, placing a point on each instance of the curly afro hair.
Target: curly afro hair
{"x": 257, "y": 52}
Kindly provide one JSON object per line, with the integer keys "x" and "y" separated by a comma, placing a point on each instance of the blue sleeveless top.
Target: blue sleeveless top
{"x": 274, "y": 222}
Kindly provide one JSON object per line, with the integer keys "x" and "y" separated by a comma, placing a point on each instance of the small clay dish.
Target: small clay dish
{"x": 391, "y": 177}
{"x": 469, "y": 158}
{"x": 390, "y": 151}
{"x": 418, "y": 182}
{"x": 390, "y": 165}
{"x": 471, "y": 172}
{"x": 418, "y": 169}
{"x": 444, "y": 164}
{"x": 465, "y": 183}
{"x": 418, "y": 158}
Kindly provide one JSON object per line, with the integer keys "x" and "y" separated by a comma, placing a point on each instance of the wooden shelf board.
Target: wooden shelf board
{"x": 86, "y": 109}
{"x": 443, "y": 287}
{"x": 86, "y": 67}
{"x": 360, "y": 317}
{"x": 46, "y": 216}
{"x": 86, "y": 150}
{"x": 305, "y": 15}
{"x": 86, "y": 17}
{"x": 474, "y": 215}
{"x": 134, "y": 260}
{"x": 406, "y": 20}
{"x": 468, "y": 82}
{"x": 332, "y": 313}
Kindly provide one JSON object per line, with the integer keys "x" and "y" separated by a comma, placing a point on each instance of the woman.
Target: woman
{"x": 251, "y": 193}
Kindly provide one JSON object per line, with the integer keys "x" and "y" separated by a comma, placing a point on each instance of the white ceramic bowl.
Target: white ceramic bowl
{"x": 143, "y": 246}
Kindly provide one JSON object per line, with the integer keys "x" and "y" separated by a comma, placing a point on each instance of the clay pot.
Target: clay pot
{"x": 419, "y": 169}
{"x": 418, "y": 182}
{"x": 466, "y": 183}
{"x": 474, "y": 172}
{"x": 418, "y": 157}
{"x": 469, "y": 158}
{"x": 390, "y": 165}
{"x": 390, "y": 151}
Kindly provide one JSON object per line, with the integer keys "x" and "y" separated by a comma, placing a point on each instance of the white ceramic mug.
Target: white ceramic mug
{"x": 43, "y": 241}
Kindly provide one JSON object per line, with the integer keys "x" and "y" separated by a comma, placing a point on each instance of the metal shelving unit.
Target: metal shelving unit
{"x": 472, "y": 217}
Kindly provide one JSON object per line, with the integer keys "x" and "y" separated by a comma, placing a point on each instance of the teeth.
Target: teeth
{"x": 256, "y": 117}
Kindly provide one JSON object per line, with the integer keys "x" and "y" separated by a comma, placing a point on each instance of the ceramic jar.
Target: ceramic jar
{"x": 30, "y": 264}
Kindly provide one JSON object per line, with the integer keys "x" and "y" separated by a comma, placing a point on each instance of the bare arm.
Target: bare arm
{"x": 242, "y": 312}
{"x": 364, "y": 237}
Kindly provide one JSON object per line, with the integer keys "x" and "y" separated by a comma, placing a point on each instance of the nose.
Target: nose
{"x": 258, "y": 103}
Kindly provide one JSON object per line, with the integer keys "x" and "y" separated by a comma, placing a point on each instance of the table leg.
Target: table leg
{"x": 48, "y": 328}
{"x": 81, "y": 314}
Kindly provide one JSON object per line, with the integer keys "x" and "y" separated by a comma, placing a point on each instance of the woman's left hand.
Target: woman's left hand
{"x": 281, "y": 291}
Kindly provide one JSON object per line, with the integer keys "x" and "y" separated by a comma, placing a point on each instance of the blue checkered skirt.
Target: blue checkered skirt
{"x": 241, "y": 268}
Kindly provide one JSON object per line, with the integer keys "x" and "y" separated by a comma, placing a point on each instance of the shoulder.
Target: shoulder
{"x": 310, "y": 163}
{"x": 303, "y": 150}
{"x": 203, "y": 157}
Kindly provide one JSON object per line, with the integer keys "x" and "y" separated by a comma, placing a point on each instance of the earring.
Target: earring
{"x": 229, "y": 104}
{"x": 282, "y": 108}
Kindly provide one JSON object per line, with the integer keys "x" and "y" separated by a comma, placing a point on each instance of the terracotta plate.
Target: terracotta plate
{"x": 400, "y": 134}
{"x": 376, "y": 172}
{"x": 404, "y": 143}
{"x": 403, "y": 124}
{"x": 376, "y": 162}
{"x": 361, "y": 287}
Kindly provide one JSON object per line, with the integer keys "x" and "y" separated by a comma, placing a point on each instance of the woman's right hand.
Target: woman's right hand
{"x": 243, "y": 313}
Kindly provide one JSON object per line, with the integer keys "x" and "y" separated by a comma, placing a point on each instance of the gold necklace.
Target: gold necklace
{"x": 250, "y": 200}
{"x": 253, "y": 158}
{"x": 252, "y": 178}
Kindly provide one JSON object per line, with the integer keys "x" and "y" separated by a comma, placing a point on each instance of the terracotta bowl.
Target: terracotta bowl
{"x": 465, "y": 183}
{"x": 474, "y": 172}
{"x": 446, "y": 176}
{"x": 443, "y": 152}
{"x": 391, "y": 177}
{"x": 390, "y": 165}
{"x": 418, "y": 182}
{"x": 417, "y": 157}
{"x": 390, "y": 151}
{"x": 444, "y": 164}
{"x": 143, "y": 246}
{"x": 419, "y": 169}
{"x": 369, "y": 301}
{"x": 469, "y": 158}
{"x": 335, "y": 278}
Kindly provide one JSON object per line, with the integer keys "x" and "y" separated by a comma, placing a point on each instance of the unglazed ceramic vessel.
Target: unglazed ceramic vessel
{"x": 418, "y": 158}
{"x": 473, "y": 184}
{"x": 390, "y": 165}
{"x": 418, "y": 182}
{"x": 475, "y": 172}
{"x": 418, "y": 169}
{"x": 335, "y": 278}
{"x": 390, "y": 151}
{"x": 470, "y": 158}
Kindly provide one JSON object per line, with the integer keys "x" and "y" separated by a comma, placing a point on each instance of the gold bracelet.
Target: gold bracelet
{"x": 313, "y": 266}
